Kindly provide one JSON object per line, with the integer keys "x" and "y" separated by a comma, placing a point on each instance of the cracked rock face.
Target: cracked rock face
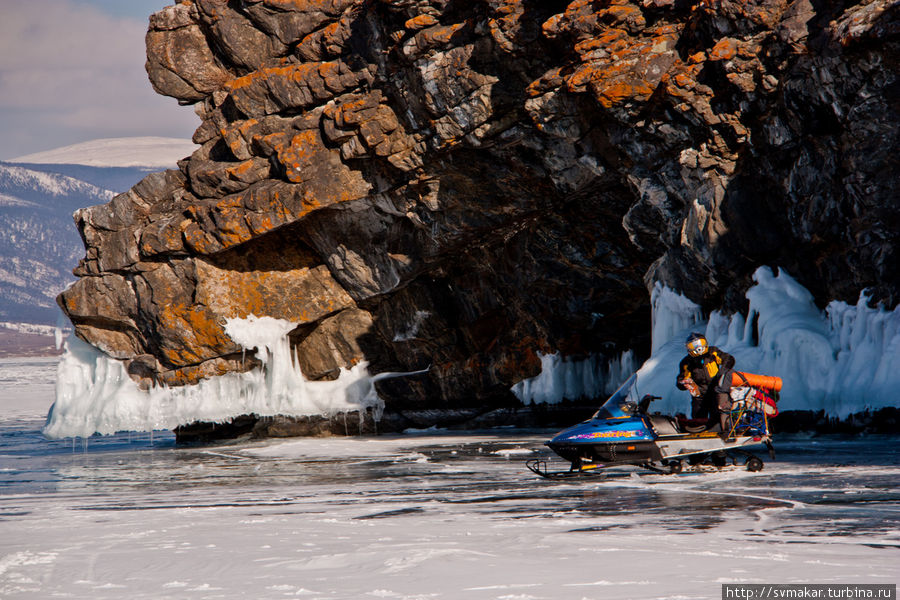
{"x": 465, "y": 183}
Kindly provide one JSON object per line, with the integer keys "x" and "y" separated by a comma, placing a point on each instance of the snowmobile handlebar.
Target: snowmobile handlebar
{"x": 645, "y": 402}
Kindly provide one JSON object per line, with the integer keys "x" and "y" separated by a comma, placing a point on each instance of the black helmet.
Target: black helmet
{"x": 696, "y": 344}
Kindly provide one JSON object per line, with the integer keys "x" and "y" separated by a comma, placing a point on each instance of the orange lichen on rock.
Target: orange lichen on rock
{"x": 294, "y": 292}
{"x": 625, "y": 14}
{"x": 630, "y": 70}
{"x": 420, "y": 22}
{"x": 240, "y": 170}
{"x": 273, "y": 89}
{"x": 725, "y": 49}
{"x": 299, "y": 156}
{"x": 620, "y": 92}
{"x": 235, "y": 137}
{"x": 324, "y": 6}
{"x": 194, "y": 332}
{"x": 283, "y": 72}
{"x": 231, "y": 228}
{"x": 197, "y": 240}
{"x": 437, "y": 35}
{"x": 579, "y": 15}
{"x": 552, "y": 79}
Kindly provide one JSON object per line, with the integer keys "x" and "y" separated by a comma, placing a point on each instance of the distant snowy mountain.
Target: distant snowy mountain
{"x": 39, "y": 244}
{"x": 150, "y": 152}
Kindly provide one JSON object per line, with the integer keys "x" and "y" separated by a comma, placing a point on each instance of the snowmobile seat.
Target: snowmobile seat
{"x": 664, "y": 425}
{"x": 695, "y": 425}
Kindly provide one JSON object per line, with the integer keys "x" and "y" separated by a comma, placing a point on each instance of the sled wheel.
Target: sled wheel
{"x": 754, "y": 464}
{"x": 675, "y": 467}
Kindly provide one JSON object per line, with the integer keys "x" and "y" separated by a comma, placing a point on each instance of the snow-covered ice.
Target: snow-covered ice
{"x": 26, "y": 387}
{"x": 428, "y": 515}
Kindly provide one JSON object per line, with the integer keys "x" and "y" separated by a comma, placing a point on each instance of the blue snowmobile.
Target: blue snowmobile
{"x": 622, "y": 432}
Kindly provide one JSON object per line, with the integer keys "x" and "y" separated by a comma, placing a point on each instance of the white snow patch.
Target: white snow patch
{"x": 7, "y": 200}
{"x": 156, "y": 152}
{"x": 26, "y": 387}
{"x": 513, "y": 452}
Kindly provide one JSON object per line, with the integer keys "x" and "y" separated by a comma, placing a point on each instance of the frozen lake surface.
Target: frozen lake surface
{"x": 426, "y": 515}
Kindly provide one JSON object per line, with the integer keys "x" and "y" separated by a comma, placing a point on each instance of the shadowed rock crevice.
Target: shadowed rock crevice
{"x": 466, "y": 184}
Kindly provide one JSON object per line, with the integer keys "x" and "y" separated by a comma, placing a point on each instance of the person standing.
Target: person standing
{"x": 706, "y": 373}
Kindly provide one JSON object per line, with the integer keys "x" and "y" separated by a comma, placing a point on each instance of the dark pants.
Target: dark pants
{"x": 715, "y": 401}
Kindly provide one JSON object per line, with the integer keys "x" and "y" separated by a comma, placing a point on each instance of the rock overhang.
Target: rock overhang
{"x": 521, "y": 172}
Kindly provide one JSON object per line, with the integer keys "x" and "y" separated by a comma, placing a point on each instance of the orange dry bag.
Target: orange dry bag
{"x": 767, "y": 382}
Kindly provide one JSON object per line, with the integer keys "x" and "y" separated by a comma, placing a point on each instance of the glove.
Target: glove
{"x": 690, "y": 386}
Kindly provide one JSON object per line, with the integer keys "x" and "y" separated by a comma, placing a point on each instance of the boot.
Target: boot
{"x": 725, "y": 422}
{"x": 723, "y": 401}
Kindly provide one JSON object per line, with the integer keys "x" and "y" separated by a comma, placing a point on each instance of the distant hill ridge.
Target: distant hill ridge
{"x": 39, "y": 243}
{"x": 29, "y": 182}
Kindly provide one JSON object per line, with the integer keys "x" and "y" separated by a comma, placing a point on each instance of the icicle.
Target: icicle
{"x": 671, "y": 314}
{"x": 564, "y": 379}
{"x": 58, "y": 331}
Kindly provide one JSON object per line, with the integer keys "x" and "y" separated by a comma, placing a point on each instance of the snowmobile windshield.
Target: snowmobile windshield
{"x": 621, "y": 404}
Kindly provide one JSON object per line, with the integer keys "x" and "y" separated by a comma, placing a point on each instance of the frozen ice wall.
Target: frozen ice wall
{"x": 561, "y": 378}
{"x": 842, "y": 360}
{"x": 671, "y": 315}
{"x": 94, "y": 394}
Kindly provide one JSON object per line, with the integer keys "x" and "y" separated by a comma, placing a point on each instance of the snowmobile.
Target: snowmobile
{"x": 622, "y": 432}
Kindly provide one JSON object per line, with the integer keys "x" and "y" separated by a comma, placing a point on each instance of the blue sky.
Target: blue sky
{"x": 73, "y": 71}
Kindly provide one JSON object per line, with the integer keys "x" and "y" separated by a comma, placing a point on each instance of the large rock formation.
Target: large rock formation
{"x": 465, "y": 183}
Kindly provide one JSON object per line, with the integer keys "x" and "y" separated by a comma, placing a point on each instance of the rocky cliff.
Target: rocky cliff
{"x": 462, "y": 184}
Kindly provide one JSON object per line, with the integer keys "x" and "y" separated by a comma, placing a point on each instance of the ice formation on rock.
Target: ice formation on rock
{"x": 560, "y": 378}
{"x": 672, "y": 314}
{"x": 842, "y": 360}
{"x": 94, "y": 394}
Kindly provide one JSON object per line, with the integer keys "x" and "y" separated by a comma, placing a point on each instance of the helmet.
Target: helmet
{"x": 696, "y": 344}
